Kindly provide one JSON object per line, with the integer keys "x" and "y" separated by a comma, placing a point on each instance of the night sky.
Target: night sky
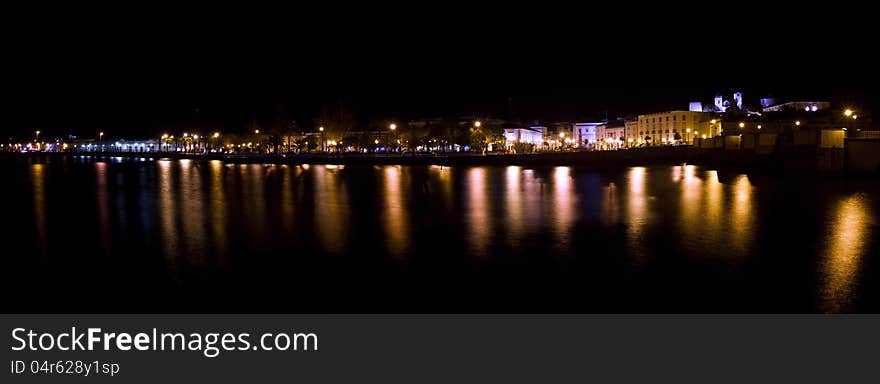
{"x": 157, "y": 80}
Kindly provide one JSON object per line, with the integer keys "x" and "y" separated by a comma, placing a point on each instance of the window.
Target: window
{"x": 673, "y": 118}
{"x": 684, "y": 117}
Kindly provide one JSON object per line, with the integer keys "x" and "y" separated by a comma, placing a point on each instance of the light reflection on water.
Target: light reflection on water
{"x": 331, "y": 208}
{"x": 564, "y": 203}
{"x": 193, "y": 215}
{"x": 742, "y": 224}
{"x": 212, "y": 215}
{"x": 168, "y": 214}
{"x": 637, "y": 214}
{"x": 218, "y": 211}
{"x": 479, "y": 220}
{"x": 103, "y": 200}
{"x": 394, "y": 210}
{"x": 38, "y": 182}
{"x": 513, "y": 204}
{"x": 847, "y": 237}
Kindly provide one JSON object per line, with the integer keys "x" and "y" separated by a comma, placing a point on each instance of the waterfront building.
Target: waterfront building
{"x": 585, "y": 134}
{"x": 673, "y": 127}
{"x": 532, "y": 136}
{"x": 806, "y": 106}
{"x": 611, "y": 135}
{"x": 631, "y": 131}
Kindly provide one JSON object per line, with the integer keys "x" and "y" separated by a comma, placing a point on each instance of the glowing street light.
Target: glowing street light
{"x": 38, "y": 135}
{"x": 257, "y": 131}
{"x": 759, "y": 126}
{"x": 101, "y": 136}
{"x": 848, "y": 112}
{"x": 321, "y": 129}
{"x": 216, "y": 134}
{"x": 742, "y": 125}
{"x": 376, "y": 141}
{"x": 392, "y": 126}
{"x": 478, "y": 123}
{"x": 798, "y": 123}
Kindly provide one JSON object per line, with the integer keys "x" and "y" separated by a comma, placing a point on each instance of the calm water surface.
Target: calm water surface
{"x": 111, "y": 235}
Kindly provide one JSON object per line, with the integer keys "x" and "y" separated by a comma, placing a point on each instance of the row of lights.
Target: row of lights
{"x": 848, "y": 113}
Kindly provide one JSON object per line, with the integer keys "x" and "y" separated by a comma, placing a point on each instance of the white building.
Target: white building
{"x": 585, "y": 134}
{"x": 532, "y": 135}
{"x": 808, "y": 106}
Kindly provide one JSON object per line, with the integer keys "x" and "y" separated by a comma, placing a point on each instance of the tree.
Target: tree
{"x": 523, "y": 147}
{"x": 479, "y": 137}
{"x": 337, "y": 120}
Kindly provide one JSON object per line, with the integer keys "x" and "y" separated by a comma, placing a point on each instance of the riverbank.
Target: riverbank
{"x": 790, "y": 163}
{"x": 642, "y": 156}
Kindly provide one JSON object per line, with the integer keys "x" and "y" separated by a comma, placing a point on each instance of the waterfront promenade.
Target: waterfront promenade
{"x": 790, "y": 162}
{"x": 641, "y": 156}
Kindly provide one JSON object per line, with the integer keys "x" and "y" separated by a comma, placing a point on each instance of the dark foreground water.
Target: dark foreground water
{"x": 118, "y": 235}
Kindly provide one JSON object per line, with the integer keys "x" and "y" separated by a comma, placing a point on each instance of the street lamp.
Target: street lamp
{"x": 848, "y": 112}
{"x": 392, "y": 126}
{"x": 478, "y": 123}
{"x": 38, "y": 136}
{"x": 101, "y": 136}
{"x": 798, "y": 123}
{"x": 216, "y": 136}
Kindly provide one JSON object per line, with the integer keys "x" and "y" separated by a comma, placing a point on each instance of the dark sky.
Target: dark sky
{"x": 156, "y": 80}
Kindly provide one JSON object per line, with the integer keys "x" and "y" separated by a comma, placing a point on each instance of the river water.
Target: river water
{"x": 92, "y": 234}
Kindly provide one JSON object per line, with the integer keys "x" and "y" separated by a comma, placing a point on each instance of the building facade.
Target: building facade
{"x": 585, "y": 134}
{"x": 611, "y": 135}
{"x": 531, "y": 136}
{"x": 631, "y": 131}
{"x": 672, "y": 127}
{"x": 806, "y": 106}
